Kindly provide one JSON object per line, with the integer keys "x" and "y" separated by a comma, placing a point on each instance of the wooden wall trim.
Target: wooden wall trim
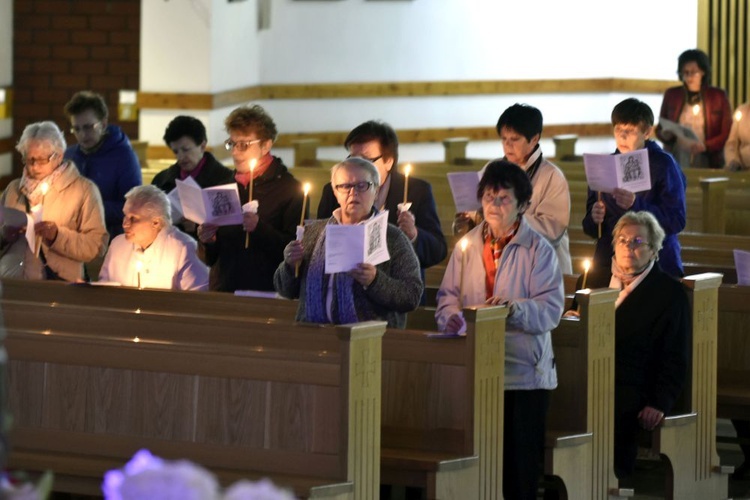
{"x": 413, "y": 136}
{"x": 203, "y": 101}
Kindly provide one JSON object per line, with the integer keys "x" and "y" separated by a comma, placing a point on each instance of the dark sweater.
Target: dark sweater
{"x": 395, "y": 291}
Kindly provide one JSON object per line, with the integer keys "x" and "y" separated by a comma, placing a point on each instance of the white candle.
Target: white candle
{"x": 586, "y": 267}
{"x": 407, "y": 171}
{"x": 138, "y": 268}
{"x": 253, "y": 163}
{"x": 464, "y": 244}
{"x": 306, "y": 190}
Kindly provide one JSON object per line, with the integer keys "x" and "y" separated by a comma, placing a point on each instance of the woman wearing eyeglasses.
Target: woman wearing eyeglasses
{"x": 67, "y": 209}
{"x": 386, "y": 291}
{"x": 701, "y": 109}
{"x": 507, "y": 262}
{"x": 651, "y": 333}
{"x": 244, "y": 257}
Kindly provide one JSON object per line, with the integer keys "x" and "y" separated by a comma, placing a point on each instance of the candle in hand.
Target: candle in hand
{"x": 464, "y": 244}
{"x": 306, "y": 190}
{"x": 586, "y": 266}
{"x": 138, "y": 268}
{"x": 253, "y": 163}
{"x": 407, "y": 171}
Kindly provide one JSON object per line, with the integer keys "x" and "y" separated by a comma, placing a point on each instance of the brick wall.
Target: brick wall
{"x": 63, "y": 46}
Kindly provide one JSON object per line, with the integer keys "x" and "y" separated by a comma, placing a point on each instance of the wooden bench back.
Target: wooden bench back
{"x": 298, "y": 403}
{"x": 733, "y": 358}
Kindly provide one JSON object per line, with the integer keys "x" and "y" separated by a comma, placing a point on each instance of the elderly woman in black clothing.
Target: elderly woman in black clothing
{"x": 652, "y": 332}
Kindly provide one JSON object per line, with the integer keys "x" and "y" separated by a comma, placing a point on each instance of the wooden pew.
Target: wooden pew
{"x": 300, "y": 404}
{"x": 687, "y": 440}
{"x": 733, "y": 359}
{"x": 450, "y": 398}
{"x": 579, "y": 454}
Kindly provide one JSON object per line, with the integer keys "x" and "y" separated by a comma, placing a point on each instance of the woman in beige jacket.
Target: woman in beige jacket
{"x": 65, "y": 208}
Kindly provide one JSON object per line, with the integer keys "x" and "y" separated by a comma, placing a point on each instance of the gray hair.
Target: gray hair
{"x": 151, "y": 200}
{"x": 645, "y": 219}
{"x": 360, "y": 163}
{"x": 46, "y": 131}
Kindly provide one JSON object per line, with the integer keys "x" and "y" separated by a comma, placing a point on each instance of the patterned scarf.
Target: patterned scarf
{"x": 32, "y": 188}
{"x": 491, "y": 252}
{"x": 316, "y": 289}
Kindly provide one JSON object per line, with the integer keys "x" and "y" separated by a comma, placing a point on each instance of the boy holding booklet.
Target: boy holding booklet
{"x": 633, "y": 121}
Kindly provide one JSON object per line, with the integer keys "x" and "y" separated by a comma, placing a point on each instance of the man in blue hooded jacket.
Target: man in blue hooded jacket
{"x": 103, "y": 154}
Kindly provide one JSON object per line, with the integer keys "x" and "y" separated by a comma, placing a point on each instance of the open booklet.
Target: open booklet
{"x": 605, "y": 172}
{"x": 464, "y": 190}
{"x": 677, "y": 129}
{"x": 218, "y": 205}
{"x": 742, "y": 265}
{"x": 16, "y": 219}
{"x": 350, "y": 244}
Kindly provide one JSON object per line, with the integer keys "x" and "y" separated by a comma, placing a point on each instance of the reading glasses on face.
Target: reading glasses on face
{"x": 359, "y": 187}
{"x": 89, "y": 127}
{"x": 229, "y": 144}
{"x": 371, "y": 160}
{"x": 633, "y": 244}
{"x": 498, "y": 201}
{"x": 38, "y": 161}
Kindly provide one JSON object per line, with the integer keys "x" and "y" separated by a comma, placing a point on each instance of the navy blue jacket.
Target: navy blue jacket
{"x": 665, "y": 200}
{"x": 114, "y": 168}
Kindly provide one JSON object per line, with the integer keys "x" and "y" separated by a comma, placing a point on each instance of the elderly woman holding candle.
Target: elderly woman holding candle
{"x": 699, "y": 107}
{"x": 152, "y": 253}
{"x": 66, "y": 206}
{"x": 651, "y": 333}
{"x": 508, "y": 262}
{"x": 386, "y": 291}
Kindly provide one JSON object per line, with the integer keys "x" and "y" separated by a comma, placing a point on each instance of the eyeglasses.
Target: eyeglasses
{"x": 38, "y": 161}
{"x": 87, "y": 128}
{"x": 689, "y": 73}
{"x": 359, "y": 187}
{"x": 371, "y": 160}
{"x": 498, "y": 201}
{"x": 626, "y": 132}
{"x": 633, "y": 244}
{"x": 229, "y": 144}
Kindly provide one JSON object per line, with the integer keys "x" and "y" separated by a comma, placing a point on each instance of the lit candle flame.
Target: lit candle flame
{"x": 586, "y": 267}
{"x": 464, "y": 244}
{"x": 44, "y": 188}
{"x": 738, "y": 115}
{"x": 306, "y": 188}
{"x": 696, "y": 109}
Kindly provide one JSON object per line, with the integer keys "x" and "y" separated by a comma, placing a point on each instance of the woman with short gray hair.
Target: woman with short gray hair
{"x": 152, "y": 253}
{"x": 66, "y": 207}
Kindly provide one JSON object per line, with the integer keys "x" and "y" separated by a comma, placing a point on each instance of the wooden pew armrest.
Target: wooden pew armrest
{"x": 679, "y": 420}
{"x": 560, "y": 439}
{"x": 426, "y": 461}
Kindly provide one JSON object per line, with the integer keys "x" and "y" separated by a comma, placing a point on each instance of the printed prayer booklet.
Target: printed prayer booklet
{"x": 677, "y": 129}
{"x": 605, "y": 172}
{"x": 218, "y": 205}
{"x": 348, "y": 245}
{"x": 464, "y": 190}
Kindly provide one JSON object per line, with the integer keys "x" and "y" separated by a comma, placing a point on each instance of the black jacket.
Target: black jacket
{"x": 234, "y": 267}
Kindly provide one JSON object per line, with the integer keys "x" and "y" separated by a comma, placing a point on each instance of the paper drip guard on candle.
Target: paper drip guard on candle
{"x": 403, "y": 207}
{"x": 251, "y": 207}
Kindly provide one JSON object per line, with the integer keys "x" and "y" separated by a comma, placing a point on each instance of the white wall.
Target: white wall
{"x": 350, "y": 41}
